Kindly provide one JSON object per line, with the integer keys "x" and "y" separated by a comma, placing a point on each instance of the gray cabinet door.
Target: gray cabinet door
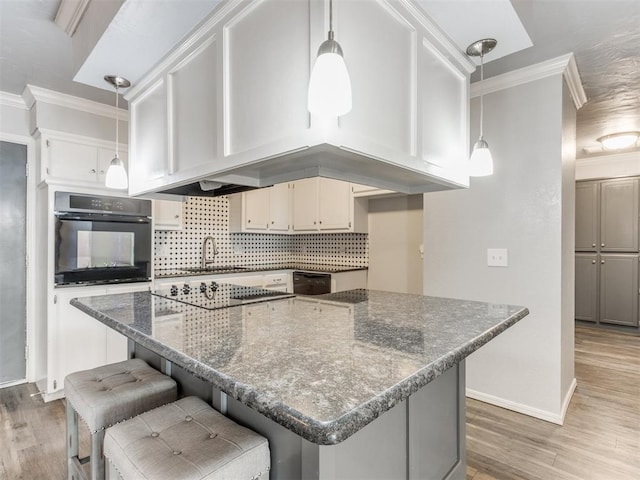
{"x": 587, "y": 268}
{"x": 587, "y": 211}
{"x": 619, "y": 215}
{"x": 619, "y": 289}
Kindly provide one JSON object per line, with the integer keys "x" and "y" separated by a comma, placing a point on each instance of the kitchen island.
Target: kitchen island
{"x": 356, "y": 384}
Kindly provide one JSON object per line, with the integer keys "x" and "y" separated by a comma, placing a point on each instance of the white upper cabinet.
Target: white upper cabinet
{"x": 265, "y": 210}
{"x": 76, "y": 160}
{"x": 168, "y": 215}
{"x": 230, "y": 103}
{"x": 327, "y": 205}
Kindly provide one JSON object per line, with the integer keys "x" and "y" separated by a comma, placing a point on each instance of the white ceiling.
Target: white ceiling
{"x": 604, "y": 35}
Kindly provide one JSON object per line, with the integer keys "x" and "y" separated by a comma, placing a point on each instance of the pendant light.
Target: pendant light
{"x": 481, "y": 161}
{"x": 116, "y": 173}
{"x": 329, "y": 85}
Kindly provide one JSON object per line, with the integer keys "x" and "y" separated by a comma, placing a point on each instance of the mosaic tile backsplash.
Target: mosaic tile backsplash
{"x": 204, "y": 216}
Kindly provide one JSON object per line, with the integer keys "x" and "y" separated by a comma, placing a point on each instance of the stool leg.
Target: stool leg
{"x": 97, "y": 455}
{"x": 72, "y": 439}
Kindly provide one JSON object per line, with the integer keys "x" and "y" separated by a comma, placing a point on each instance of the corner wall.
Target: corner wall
{"x": 524, "y": 207}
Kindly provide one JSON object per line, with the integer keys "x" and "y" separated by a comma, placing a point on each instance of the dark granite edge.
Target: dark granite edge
{"x": 262, "y": 268}
{"x": 321, "y": 433}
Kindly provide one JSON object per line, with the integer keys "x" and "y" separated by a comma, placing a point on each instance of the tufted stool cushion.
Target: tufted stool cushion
{"x": 110, "y": 394}
{"x": 186, "y": 439}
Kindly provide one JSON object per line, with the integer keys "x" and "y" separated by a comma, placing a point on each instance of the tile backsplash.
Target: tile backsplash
{"x": 204, "y": 216}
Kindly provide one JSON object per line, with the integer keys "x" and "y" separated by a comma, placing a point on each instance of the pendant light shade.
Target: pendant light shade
{"x": 481, "y": 161}
{"x": 116, "y": 174}
{"x": 329, "y": 86}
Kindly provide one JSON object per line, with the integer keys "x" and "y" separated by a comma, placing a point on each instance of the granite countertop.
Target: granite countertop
{"x": 323, "y": 366}
{"x": 223, "y": 270}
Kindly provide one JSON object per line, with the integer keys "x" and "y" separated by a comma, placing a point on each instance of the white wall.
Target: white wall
{"x": 520, "y": 208}
{"x": 14, "y": 115}
{"x": 395, "y": 235}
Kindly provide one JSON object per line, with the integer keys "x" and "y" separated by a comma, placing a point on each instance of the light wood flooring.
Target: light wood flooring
{"x": 600, "y": 439}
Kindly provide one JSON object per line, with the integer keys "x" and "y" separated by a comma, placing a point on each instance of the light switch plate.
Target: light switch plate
{"x": 497, "y": 257}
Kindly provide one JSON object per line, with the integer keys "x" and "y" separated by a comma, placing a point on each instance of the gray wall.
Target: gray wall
{"x": 524, "y": 207}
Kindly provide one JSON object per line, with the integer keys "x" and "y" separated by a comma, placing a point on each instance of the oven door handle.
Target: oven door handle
{"x": 103, "y": 217}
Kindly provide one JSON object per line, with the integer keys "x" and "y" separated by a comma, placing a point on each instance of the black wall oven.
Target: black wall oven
{"x": 100, "y": 239}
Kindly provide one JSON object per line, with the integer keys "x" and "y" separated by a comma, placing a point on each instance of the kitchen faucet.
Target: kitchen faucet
{"x": 205, "y": 259}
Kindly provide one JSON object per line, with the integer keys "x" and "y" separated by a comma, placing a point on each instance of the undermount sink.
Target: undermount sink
{"x": 223, "y": 268}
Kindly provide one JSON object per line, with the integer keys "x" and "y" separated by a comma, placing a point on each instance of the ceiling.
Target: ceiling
{"x": 604, "y": 36}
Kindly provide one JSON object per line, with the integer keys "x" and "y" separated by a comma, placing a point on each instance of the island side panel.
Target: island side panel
{"x": 437, "y": 442}
{"x": 422, "y": 437}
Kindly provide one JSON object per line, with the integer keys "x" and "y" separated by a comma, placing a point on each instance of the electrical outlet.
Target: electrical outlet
{"x": 497, "y": 257}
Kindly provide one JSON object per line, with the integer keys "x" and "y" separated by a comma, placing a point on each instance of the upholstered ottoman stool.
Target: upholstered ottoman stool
{"x": 105, "y": 396}
{"x": 186, "y": 439}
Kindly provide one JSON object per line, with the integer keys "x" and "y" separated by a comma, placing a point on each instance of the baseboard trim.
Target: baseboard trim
{"x": 567, "y": 399}
{"x": 556, "y": 418}
{"x": 13, "y": 384}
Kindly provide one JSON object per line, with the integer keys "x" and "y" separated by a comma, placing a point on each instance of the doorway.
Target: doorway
{"x": 13, "y": 254}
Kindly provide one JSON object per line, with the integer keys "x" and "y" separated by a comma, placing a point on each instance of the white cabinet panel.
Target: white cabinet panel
{"x": 267, "y": 68}
{"x": 442, "y": 93}
{"x": 305, "y": 205}
{"x": 148, "y": 136}
{"x": 256, "y": 210}
{"x": 264, "y": 210}
{"x": 73, "y": 161}
{"x": 194, "y": 108}
{"x": 382, "y": 72}
{"x": 279, "y": 208}
{"x": 168, "y": 215}
{"x": 335, "y": 205}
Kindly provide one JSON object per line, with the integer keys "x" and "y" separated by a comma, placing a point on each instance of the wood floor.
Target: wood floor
{"x": 600, "y": 439}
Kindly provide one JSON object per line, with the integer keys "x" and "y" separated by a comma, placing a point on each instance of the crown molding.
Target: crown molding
{"x": 12, "y": 100}
{"x": 565, "y": 65}
{"x": 32, "y": 94}
{"x": 630, "y": 156}
{"x": 69, "y": 14}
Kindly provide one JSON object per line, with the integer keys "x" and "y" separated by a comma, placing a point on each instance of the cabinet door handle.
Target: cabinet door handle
{"x": 602, "y": 261}
{"x": 320, "y": 222}
{"x": 593, "y": 245}
{"x": 176, "y": 216}
{"x": 602, "y": 245}
{"x": 248, "y": 221}
{"x": 93, "y": 170}
{"x": 272, "y": 222}
{"x": 593, "y": 261}
{"x": 314, "y": 222}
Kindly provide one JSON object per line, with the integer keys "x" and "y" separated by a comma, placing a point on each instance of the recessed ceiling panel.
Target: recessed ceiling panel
{"x": 141, "y": 33}
{"x": 466, "y": 21}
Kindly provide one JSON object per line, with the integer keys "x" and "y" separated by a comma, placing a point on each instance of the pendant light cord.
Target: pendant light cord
{"x": 117, "y": 129}
{"x": 481, "y": 94}
{"x": 330, "y": 36}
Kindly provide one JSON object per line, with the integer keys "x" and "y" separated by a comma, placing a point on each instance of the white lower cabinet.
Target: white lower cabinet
{"x": 77, "y": 341}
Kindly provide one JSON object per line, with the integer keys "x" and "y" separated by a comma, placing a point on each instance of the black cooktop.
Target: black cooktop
{"x": 214, "y": 295}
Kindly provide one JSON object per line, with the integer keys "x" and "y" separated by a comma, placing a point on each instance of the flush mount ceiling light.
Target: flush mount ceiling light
{"x": 619, "y": 141}
{"x": 329, "y": 85}
{"x": 116, "y": 174}
{"x": 481, "y": 161}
